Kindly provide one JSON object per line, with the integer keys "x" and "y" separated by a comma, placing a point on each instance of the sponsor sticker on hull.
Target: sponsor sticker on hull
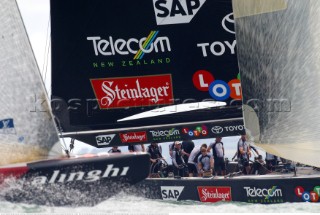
{"x": 104, "y": 140}
{"x": 272, "y": 194}
{"x": 214, "y": 194}
{"x": 171, "y": 193}
{"x": 137, "y": 91}
{"x": 165, "y": 134}
{"x": 308, "y": 196}
{"x": 133, "y": 137}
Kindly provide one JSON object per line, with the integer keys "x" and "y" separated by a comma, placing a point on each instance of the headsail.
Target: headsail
{"x": 112, "y": 60}
{"x": 278, "y": 54}
{"x": 27, "y": 131}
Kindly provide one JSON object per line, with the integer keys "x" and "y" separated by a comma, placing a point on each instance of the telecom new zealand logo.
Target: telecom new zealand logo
{"x": 165, "y": 135}
{"x": 264, "y": 195}
{"x": 132, "y": 46}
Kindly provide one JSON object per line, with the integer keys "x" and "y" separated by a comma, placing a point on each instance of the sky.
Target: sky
{"x": 36, "y": 16}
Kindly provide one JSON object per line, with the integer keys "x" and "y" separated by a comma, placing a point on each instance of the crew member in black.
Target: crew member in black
{"x": 114, "y": 150}
{"x": 155, "y": 157}
{"x": 218, "y": 156}
{"x": 177, "y": 160}
{"x": 187, "y": 146}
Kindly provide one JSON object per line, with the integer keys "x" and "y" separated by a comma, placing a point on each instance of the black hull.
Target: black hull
{"x": 266, "y": 189}
{"x": 77, "y": 181}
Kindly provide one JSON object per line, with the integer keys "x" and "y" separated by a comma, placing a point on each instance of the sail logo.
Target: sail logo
{"x": 135, "y": 91}
{"x": 197, "y": 132}
{"x": 171, "y": 193}
{"x": 264, "y": 195}
{"x": 104, "y": 140}
{"x": 133, "y": 137}
{"x": 134, "y": 46}
{"x": 219, "y": 90}
{"x": 169, "y": 12}
{"x": 165, "y": 135}
{"x": 306, "y": 196}
{"x": 7, "y": 126}
{"x": 91, "y": 176}
{"x": 219, "y": 48}
{"x": 214, "y": 194}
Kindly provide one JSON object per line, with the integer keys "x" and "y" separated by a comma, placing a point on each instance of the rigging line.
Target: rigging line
{"x": 63, "y": 145}
{"x": 46, "y": 72}
{"x": 45, "y": 57}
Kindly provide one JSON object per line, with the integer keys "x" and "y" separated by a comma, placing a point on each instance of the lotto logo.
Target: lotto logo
{"x": 312, "y": 196}
{"x": 198, "y": 131}
{"x": 218, "y": 89}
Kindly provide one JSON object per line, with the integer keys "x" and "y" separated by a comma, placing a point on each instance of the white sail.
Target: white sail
{"x": 27, "y": 130}
{"x": 279, "y": 59}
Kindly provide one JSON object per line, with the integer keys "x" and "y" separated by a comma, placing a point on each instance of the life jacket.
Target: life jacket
{"x": 154, "y": 152}
{"x": 195, "y": 160}
{"x": 178, "y": 154}
{"x": 203, "y": 158}
{"x": 239, "y": 155}
{"x": 214, "y": 152}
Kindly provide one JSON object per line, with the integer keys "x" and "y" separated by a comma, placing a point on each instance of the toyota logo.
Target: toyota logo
{"x": 228, "y": 23}
{"x": 217, "y": 129}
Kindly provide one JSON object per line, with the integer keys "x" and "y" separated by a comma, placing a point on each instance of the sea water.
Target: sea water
{"x": 125, "y": 204}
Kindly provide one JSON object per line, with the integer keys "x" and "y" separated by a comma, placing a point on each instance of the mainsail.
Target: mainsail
{"x": 112, "y": 60}
{"x": 279, "y": 61}
{"x": 27, "y": 130}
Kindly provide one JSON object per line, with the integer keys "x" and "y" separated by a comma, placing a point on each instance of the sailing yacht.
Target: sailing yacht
{"x": 136, "y": 72}
{"x": 34, "y": 168}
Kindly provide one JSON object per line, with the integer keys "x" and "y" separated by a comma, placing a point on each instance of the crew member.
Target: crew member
{"x": 177, "y": 160}
{"x": 205, "y": 163}
{"x": 218, "y": 156}
{"x": 244, "y": 153}
{"x": 114, "y": 150}
{"x": 136, "y": 148}
{"x": 155, "y": 157}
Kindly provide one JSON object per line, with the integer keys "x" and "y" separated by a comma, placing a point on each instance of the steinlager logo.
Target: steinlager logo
{"x": 133, "y": 91}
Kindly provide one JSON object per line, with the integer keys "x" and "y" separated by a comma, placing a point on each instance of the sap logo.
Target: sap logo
{"x": 171, "y": 193}
{"x": 176, "y": 11}
{"x": 104, "y": 140}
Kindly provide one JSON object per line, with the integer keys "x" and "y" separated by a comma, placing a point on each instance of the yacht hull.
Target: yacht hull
{"x": 86, "y": 180}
